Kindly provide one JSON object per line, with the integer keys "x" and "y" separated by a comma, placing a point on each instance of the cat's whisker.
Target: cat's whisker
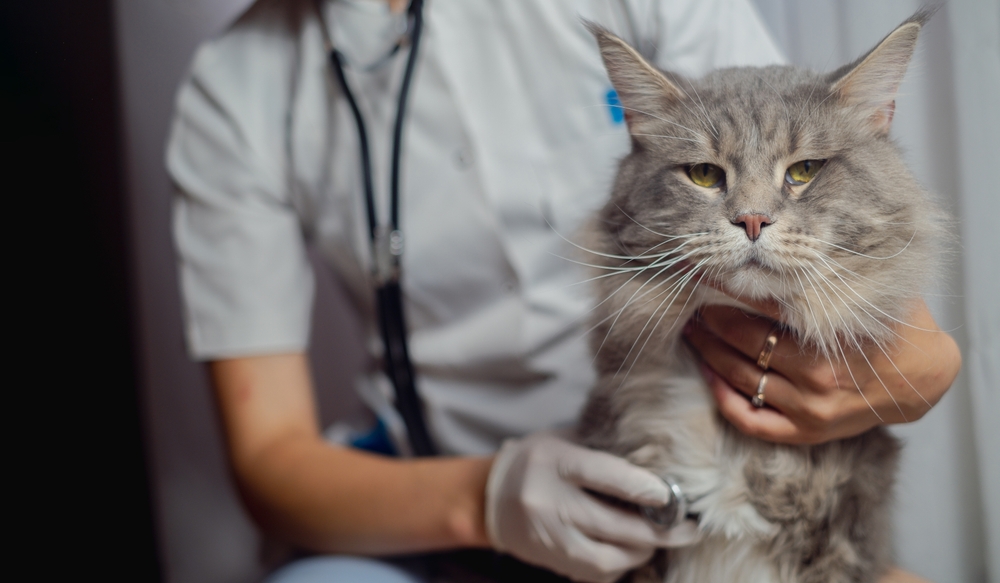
{"x": 813, "y": 109}
{"x": 676, "y": 288}
{"x": 819, "y": 341}
{"x": 704, "y": 110}
{"x": 876, "y": 308}
{"x": 640, "y": 270}
{"x": 633, "y": 303}
{"x": 667, "y": 137}
{"x": 876, "y": 342}
{"x": 858, "y": 253}
{"x": 843, "y": 356}
{"x": 652, "y": 331}
{"x": 620, "y": 269}
{"x": 627, "y": 302}
{"x": 810, "y": 311}
{"x": 667, "y": 239}
{"x": 621, "y": 309}
{"x": 702, "y": 115}
{"x": 642, "y": 226}
{"x": 873, "y": 284}
{"x": 847, "y": 301}
{"x": 695, "y": 132}
{"x": 902, "y": 376}
{"x": 892, "y": 331}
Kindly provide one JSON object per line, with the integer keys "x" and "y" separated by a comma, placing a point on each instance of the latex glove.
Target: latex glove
{"x": 536, "y": 509}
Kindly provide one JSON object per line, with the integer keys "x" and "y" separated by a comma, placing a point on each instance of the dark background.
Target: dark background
{"x": 79, "y": 461}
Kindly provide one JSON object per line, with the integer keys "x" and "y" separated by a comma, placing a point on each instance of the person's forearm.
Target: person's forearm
{"x": 334, "y": 499}
{"x": 329, "y": 498}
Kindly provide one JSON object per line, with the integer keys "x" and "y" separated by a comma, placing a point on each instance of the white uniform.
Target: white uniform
{"x": 509, "y": 143}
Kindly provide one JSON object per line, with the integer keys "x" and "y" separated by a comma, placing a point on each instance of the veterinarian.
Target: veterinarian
{"x": 510, "y": 139}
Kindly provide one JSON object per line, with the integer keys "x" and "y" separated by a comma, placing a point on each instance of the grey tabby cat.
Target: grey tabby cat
{"x": 777, "y": 183}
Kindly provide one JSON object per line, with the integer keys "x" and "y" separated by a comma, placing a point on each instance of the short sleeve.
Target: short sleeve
{"x": 246, "y": 281}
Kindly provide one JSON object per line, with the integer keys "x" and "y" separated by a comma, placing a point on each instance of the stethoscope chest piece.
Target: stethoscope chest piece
{"x": 673, "y": 512}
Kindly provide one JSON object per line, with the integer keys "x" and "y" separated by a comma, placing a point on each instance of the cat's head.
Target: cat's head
{"x": 777, "y": 182}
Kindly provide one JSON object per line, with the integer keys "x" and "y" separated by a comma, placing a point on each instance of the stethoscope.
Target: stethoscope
{"x": 387, "y": 249}
{"x": 387, "y": 239}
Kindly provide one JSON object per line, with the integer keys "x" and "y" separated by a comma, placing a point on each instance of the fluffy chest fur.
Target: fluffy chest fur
{"x": 772, "y": 183}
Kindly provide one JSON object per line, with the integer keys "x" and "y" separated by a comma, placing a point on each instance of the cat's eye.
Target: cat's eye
{"x": 802, "y": 172}
{"x": 706, "y": 175}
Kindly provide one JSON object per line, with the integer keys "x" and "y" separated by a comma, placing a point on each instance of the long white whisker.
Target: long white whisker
{"x": 701, "y": 104}
{"x": 640, "y": 225}
{"x": 627, "y": 302}
{"x": 677, "y": 288}
{"x": 843, "y": 356}
{"x": 666, "y": 136}
{"x": 868, "y": 256}
{"x": 876, "y": 308}
{"x": 858, "y": 349}
{"x": 695, "y": 132}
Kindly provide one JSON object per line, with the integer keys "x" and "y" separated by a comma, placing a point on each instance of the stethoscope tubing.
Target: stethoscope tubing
{"x": 387, "y": 244}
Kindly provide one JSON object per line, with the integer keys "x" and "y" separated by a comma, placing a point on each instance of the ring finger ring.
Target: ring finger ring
{"x": 764, "y": 358}
{"x": 758, "y": 399}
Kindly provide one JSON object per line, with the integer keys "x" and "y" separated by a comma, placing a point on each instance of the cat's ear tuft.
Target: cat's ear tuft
{"x": 871, "y": 82}
{"x": 641, "y": 88}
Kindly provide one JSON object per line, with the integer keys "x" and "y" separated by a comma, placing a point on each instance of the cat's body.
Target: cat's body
{"x": 843, "y": 253}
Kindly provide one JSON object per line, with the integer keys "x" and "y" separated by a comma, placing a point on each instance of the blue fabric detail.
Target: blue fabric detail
{"x": 615, "y": 107}
{"x": 376, "y": 441}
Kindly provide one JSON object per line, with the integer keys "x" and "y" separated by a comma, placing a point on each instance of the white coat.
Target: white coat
{"x": 510, "y": 142}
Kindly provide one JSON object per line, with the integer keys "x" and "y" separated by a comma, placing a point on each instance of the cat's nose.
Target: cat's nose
{"x": 753, "y": 224}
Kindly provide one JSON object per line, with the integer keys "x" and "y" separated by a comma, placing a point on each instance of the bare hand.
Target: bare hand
{"x": 813, "y": 400}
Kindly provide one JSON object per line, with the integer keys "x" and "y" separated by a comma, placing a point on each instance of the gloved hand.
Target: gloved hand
{"x": 536, "y": 509}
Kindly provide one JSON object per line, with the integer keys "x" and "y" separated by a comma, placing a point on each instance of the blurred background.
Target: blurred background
{"x": 86, "y": 94}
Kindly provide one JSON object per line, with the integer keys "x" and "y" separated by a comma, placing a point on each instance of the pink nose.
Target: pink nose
{"x": 753, "y": 224}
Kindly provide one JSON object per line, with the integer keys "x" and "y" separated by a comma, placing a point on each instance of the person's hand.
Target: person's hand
{"x": 537, "y": 510}
{"x": 813, "y": 400}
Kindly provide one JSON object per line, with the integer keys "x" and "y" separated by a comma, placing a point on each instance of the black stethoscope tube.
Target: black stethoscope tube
{"x": 389, "y": 294}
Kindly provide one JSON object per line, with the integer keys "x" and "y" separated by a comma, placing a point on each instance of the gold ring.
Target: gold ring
{"x": 758, "y": 399}
{"x": 764, "y": 358}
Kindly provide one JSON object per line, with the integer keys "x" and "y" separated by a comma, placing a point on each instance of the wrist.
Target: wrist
{"x": 465, "y": 521}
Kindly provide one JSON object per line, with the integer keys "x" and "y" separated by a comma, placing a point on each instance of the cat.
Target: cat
{"x": 775, "y": 183}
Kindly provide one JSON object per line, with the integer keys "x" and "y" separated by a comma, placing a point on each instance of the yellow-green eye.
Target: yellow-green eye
{"x": 707, "y": 175}
{"x": 802, "y": 172}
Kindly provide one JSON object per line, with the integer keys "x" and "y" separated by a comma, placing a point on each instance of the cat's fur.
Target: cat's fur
{"x": 843, "y": 255}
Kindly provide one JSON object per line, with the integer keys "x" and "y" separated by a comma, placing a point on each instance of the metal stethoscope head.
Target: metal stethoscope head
{"x": 671, "y": 514}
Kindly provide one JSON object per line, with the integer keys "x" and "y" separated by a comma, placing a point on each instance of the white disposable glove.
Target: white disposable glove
{"x": 536, "y": 509}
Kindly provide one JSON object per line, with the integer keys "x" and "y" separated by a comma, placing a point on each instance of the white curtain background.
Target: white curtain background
{"x": 948, "y": 506}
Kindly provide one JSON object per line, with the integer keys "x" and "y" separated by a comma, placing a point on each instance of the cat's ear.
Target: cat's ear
{"x": 871, "y": 82}
{"x": 641, "y": 88}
